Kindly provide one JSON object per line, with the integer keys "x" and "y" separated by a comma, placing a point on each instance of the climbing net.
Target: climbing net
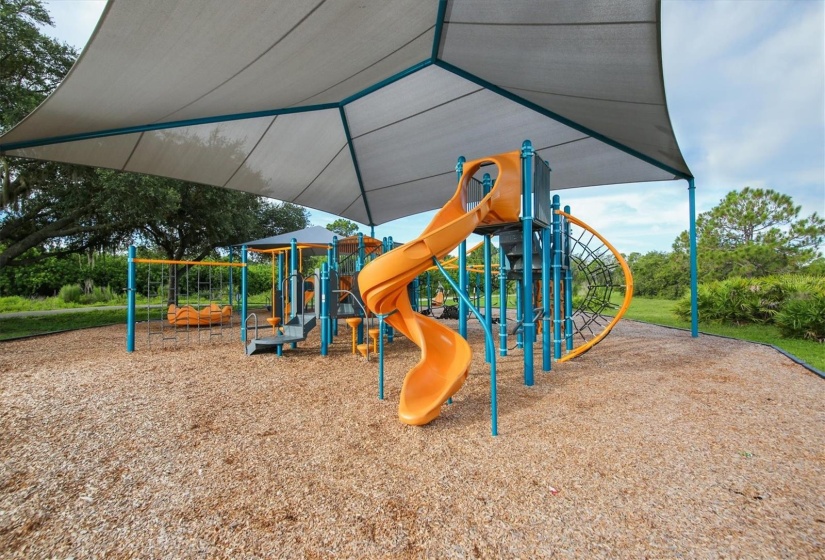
{"x": 601, "y": 286}
{"x": 186, "y": 300}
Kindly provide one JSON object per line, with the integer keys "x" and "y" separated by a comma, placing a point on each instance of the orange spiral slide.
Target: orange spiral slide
{"x": 445, "y": 355}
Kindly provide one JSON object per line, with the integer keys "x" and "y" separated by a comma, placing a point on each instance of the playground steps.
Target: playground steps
{"x": 295, "y": 330}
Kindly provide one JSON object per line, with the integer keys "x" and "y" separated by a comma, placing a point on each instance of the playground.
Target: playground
{"x": 653, "y": 442}
{"x": 342, "y": 420}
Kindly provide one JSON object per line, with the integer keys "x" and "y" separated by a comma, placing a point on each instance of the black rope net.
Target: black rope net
{"x": 597, "y": 275}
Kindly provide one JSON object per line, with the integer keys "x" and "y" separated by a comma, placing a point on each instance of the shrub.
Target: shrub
{"x": 101, "y": 295}
{"x": 803, "y": 317}
{"x": 796, "y": 298}
{"x": 71, "y": 293}
{"x": 736, "y": 300}
{"x": 10, "y": 304}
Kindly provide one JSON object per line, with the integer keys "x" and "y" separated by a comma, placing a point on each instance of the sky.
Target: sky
{"x": 745, "y": 84}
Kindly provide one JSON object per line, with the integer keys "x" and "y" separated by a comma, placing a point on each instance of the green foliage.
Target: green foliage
{"x": 185, "y": 221}
{"x": 803, "y": 316}
{"x": 55, "y": 208}
{"x": 70, "y": 293}
{"x": 754, "y": 233}
{"x": 11, "y": 304}
{"x": 73, "y": 293}
{"x": 45, "y": 277}
{"x": 761, "y": 301}
{"x": 659, "y": 274}
{"x": 33, "y": 63}
{"x": 343, "y": 227}
{"x": 52, "y": 210}
{"x": 815, "y": 267}
{"x": 259, "y": 279}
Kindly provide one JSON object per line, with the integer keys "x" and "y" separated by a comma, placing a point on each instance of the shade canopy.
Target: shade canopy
{"x": 360, "y": 108}
{"x": 315, "y": 235}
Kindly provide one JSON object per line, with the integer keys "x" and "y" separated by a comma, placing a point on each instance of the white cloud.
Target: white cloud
{"x": 746, "y": 92}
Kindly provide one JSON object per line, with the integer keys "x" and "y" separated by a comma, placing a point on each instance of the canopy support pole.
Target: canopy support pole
{"x": 694, "y": 267}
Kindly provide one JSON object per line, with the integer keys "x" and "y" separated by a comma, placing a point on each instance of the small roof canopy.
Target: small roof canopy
{"x": 315, "y": 235}
{"x": 360, "y": 109}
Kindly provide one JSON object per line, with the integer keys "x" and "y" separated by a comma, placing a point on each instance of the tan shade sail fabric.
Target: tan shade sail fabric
{"x": 360, "y": 108}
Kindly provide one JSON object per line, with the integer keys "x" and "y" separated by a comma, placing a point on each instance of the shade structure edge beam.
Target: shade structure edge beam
{"x": 161, "y": 126}
{"x": 560, "y": 119}
{"x": 354, "y": 157}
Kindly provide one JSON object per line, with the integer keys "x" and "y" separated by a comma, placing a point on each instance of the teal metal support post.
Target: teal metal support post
{"x": 502, "y": 301}
{"x": 429, "y": 294}
{"x": 296, "y": 298}
{"x": 231, "y": 274}
{"x": 528, "y": 326}
{"x": 462, "y": 267}
{"x": 487, "y": 183}
{"x": 462, "y": 287}
{"x": 324, "y": 290}
{"x": 488, "y": 342}
{"x": 130, "y": 300}
{"x": 694, "y": 267}
{"x": 519, "y": 315}
{"x": 390, "y": 330}
{"x": 332, "y": 297}
{"x": 279, "y": 349}
{"x": 381, "y": 357}
{"x": 546, "y": 325}
{"x": 334, "y": 264}
{"x": 359, "y": 265}
{"x": 362, "y": 253}
{"x": 557, "y": 230}
{"x": 279, "y": 288}
{"x": 568, "y": 283}
{"x": 244, "y": 284}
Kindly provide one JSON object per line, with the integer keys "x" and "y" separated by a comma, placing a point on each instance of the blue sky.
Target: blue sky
{"x": 745, "y": 82}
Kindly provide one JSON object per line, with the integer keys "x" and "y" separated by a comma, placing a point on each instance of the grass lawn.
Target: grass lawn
{"x": 14, "y": 327}
{"x": 649, "y": 310}
{"x": 660, "y": 312}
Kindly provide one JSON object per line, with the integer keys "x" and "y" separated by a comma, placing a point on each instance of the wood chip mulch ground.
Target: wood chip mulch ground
{"x": 652, "y": 445}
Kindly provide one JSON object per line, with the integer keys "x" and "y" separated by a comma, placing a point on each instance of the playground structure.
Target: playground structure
{"x": 534, "y": 238}
{"x": 364, "y": 279}
{"x": 294, "y": 316}
{"x": 192, "y": 299}
{"x": 598, "y": 129}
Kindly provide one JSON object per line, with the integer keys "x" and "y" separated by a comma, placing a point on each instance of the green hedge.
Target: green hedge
{"x": 47, "y": 277}
{"x": 794, "y": 303}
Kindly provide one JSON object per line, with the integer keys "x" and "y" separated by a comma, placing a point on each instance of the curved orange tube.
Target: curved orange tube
{"x": 445, "y": 355}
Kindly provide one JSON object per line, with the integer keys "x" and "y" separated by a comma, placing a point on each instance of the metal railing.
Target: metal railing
{"x": 474, "y": 192}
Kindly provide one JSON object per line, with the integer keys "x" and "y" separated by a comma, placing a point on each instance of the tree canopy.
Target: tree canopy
{"x": 343, "y": 227}
{"x": 185, "y": 221}
{"x": 50, "y": 209}
{"x": 751, "y": 233}
{"x": 32, "y": 63}
{"x": 754, "y": 233}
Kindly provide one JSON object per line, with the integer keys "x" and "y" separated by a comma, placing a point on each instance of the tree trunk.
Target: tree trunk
{"x": 172, "y": 293}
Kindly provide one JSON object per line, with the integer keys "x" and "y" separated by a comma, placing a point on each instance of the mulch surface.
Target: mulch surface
{"x": 651, "y": 445}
